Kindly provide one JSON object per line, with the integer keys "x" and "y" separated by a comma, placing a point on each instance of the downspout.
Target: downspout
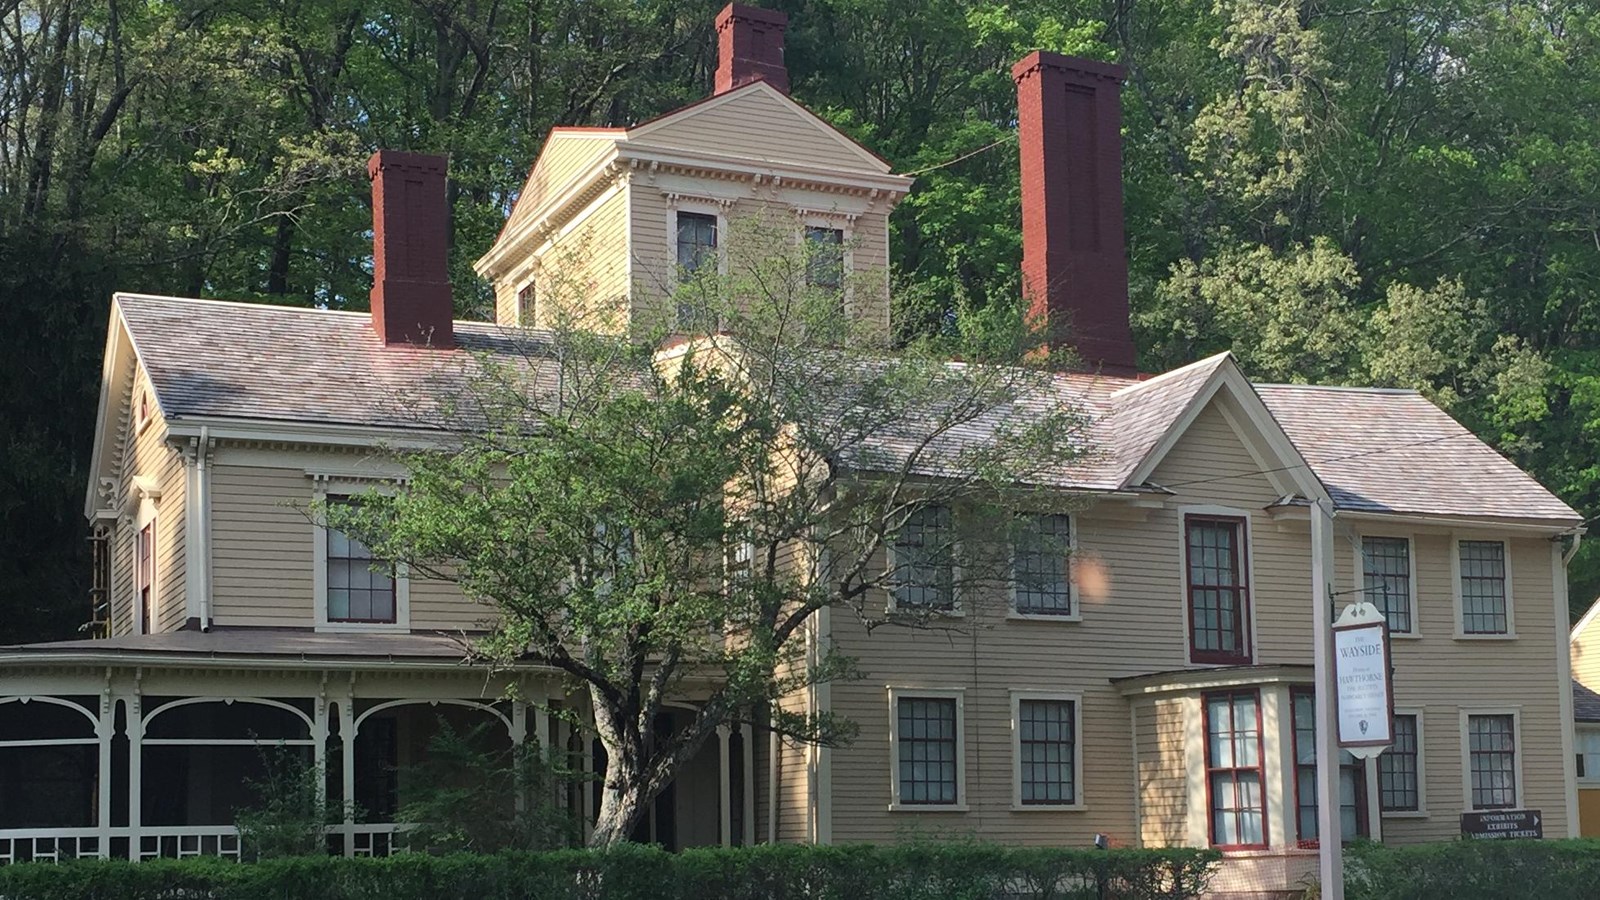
{"x": 1577, "y": 540}
{"x": 203, "y": 532}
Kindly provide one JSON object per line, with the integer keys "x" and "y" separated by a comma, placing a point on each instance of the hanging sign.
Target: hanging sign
{"x": 1362, "y": 674}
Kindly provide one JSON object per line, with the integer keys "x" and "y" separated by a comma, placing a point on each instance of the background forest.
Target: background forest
{"x": 1393, "y": 192}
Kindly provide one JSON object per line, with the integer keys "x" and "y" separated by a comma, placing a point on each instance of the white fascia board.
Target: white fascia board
{"x": 223, "y": 428}
{"x": 490, "y": 262}
{"x": 112, "y": 366}
{"x": 644, "y": 154}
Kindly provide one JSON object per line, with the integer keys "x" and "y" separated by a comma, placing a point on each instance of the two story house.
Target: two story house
{"x": 1154, "y": 686}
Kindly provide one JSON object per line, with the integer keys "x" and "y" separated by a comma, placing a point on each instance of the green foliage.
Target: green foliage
{"x": 290, "y": 810}
{"x": 467, "y": 798}
{"x": 1475, "y": 870}
{"x": 631, "y": 872}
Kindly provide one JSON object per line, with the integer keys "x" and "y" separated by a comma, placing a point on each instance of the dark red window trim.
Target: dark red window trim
{"x": 1241, "y": 591}
{"x": 1260, "y": 768}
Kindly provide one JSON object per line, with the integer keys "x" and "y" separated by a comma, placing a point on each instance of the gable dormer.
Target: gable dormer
{"x": 608, "y": 216}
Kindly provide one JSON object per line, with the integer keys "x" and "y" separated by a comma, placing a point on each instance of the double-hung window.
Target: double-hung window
{"x": 1386, "y": 579}
{"x": 1588, "y": 740}
{"x": 1484, "y": 600}
{"x": 1218, "y": 586}
{"x": 1352, "y": 777}
{"x": 928, "y": 747}
{"x": 1235, "y": 781}
{"x": 1040, "y": 568}
{"x": 697, "y": 254}
{"x": 825, "y": 257}
{"x": 1047, "y": 750}
{"x": 924, "y": 559}
{"x": 1492, "y": 760}
{"x": 361, "y": 587}
{"x": 144, "y": 574}
{"x": 1400, "y": 768}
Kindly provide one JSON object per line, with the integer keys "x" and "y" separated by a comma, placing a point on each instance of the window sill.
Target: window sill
{"x": 1405, "y": 814}
{"x": 362, "y": 628}
{"x": 929, "y": 807}
{"x": 1049, "y": 807}
{"x": 1042, "y": 617}
{"x": 1508, "y": 636}
{"x": 1406, "y": 635}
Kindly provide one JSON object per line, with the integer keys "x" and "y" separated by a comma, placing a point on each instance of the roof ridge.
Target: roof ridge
{"x": 1343, "y": 388}
{"x": 1213, "y": 360}
{"x": 308, "y": 310}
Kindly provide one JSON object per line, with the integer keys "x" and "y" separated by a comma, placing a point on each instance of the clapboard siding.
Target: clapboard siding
{"x": 146, "y": 454}
{"x": 261, "y": 551}
{"x": 759, "y": 127}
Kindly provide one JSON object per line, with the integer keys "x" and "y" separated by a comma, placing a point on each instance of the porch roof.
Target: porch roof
{"x": 224, "y": 645}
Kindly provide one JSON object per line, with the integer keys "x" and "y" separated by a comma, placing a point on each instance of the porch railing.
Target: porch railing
{"x": 175, "y": 842}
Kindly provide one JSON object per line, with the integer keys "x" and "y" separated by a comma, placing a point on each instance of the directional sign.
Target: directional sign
{"x": 1502, "y": 824}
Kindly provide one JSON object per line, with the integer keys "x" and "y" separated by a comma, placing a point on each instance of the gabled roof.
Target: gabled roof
{"x": 1375, "y": 451}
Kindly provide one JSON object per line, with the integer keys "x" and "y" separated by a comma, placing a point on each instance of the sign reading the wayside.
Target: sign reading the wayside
{"x": 1502, "y": 824}
{"x": 1366, "y": 697}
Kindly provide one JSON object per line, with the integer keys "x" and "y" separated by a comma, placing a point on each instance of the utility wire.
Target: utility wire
{"x": 950, "y": 162}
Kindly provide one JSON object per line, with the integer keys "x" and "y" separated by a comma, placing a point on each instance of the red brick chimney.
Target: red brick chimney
{"x": 750, "y": 47}
{"x": 411, "y": 301}
{"x": 1074, "y": 267}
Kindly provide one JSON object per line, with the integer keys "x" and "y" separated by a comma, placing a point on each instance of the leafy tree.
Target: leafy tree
{"x": 661, "y": 524}
{"x": 290, "y": 815}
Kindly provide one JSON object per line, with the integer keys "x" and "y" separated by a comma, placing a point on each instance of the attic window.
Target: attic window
{"x": 141, "y": 410}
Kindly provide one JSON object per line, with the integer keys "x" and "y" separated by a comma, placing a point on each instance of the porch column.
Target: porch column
{"x": 519, "y": 736}
{"x": 135, "y": 712}
{"x": 347, "y": 748}
{"x": 725, "y": 785}
{"x": 105, "y": 729}
{"x": 319, "y": 746}
{"x": 747, "y": 742}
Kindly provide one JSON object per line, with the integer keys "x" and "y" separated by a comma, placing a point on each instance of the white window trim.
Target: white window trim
{"x": 1184, "y": 512}
{"x": 144, "y": 405}
{"x": 957, "y": 608}
{"x": 1073, "y": 604}
{"x": 1411, "y": 556}
{"x": 1515, "y": 712}
{"x": 705, "y": 206}
{"x": 1591, "y": 775}
{"x": 846, "y": 225}
{"x": 147, "y": 515}
{"x": 1421, "y": 812}
{"x": 1455, "y": 590}
{"x": 319, "y": 575}
{"x": 1076, "y": 699}
{"x": 898, "y": 692}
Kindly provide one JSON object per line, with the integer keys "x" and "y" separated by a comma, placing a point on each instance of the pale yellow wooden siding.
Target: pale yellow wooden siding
{"x": 146, "y": 454}
{"x": 507, "y": 310}
{"x": 1441, "y": 675}
{"x": 757, "y": 126}
{"x": 1584, "y": 649}
{"x": 586, "y": 269}
{"x": 1137, "y": 627}
{"x": 1163, "y": 782}
{"x": 655, "y": 256}
{"x": 562, "y": 157}
{"x": 262, "y": 552}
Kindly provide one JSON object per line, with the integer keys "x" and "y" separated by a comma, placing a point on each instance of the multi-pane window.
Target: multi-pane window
{"x": 144, "y": 573}
{"x": 925, "y": 561}
{"x": 697, "y": 242}
{"x": 1040, "y": 568}
{"x": 1046, "y": 752}
{"x": 1399, "y": 772}
{"x": 927, "y": 741}
{"x": 527, "y": 308}
{"x": 1492, "y": 759}
{"x": 1589, "y": 755}
{"x": 1352, "y": 777}
{"x": 1234, "y": 777}
{"x": 824, "y": 257}
{"x": 1386, "y": 573}
{"x": 360, "y": 586}
{"x": 1483, "y": 588}
{"x": 1218, "y": 592}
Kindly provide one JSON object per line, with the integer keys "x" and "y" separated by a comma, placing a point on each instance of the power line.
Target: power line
{"x": 950, "y": 162}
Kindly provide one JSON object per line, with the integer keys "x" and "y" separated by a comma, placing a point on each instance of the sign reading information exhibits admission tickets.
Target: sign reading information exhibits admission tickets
{"x": 1502, "y": 824}
{"x": 1361, "y": 670}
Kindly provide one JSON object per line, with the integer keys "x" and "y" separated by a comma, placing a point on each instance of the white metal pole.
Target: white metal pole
{"x": 1330, "y": 854}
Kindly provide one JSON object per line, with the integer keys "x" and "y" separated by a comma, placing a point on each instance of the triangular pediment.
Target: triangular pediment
{"x": 759, "y": 123}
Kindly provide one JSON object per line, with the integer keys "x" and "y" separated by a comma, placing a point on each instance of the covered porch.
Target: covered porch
{"x": 148, "y": 746}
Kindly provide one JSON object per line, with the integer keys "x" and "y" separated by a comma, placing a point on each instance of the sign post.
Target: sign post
{"x": 1330, "y": 853}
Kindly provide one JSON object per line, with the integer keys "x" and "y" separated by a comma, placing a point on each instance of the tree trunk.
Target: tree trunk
{"x": 623, "y": 795}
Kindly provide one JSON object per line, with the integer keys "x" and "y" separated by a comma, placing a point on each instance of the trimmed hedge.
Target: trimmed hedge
{"x": 910, "y": 872}
{"x": 1475, "y": 870}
